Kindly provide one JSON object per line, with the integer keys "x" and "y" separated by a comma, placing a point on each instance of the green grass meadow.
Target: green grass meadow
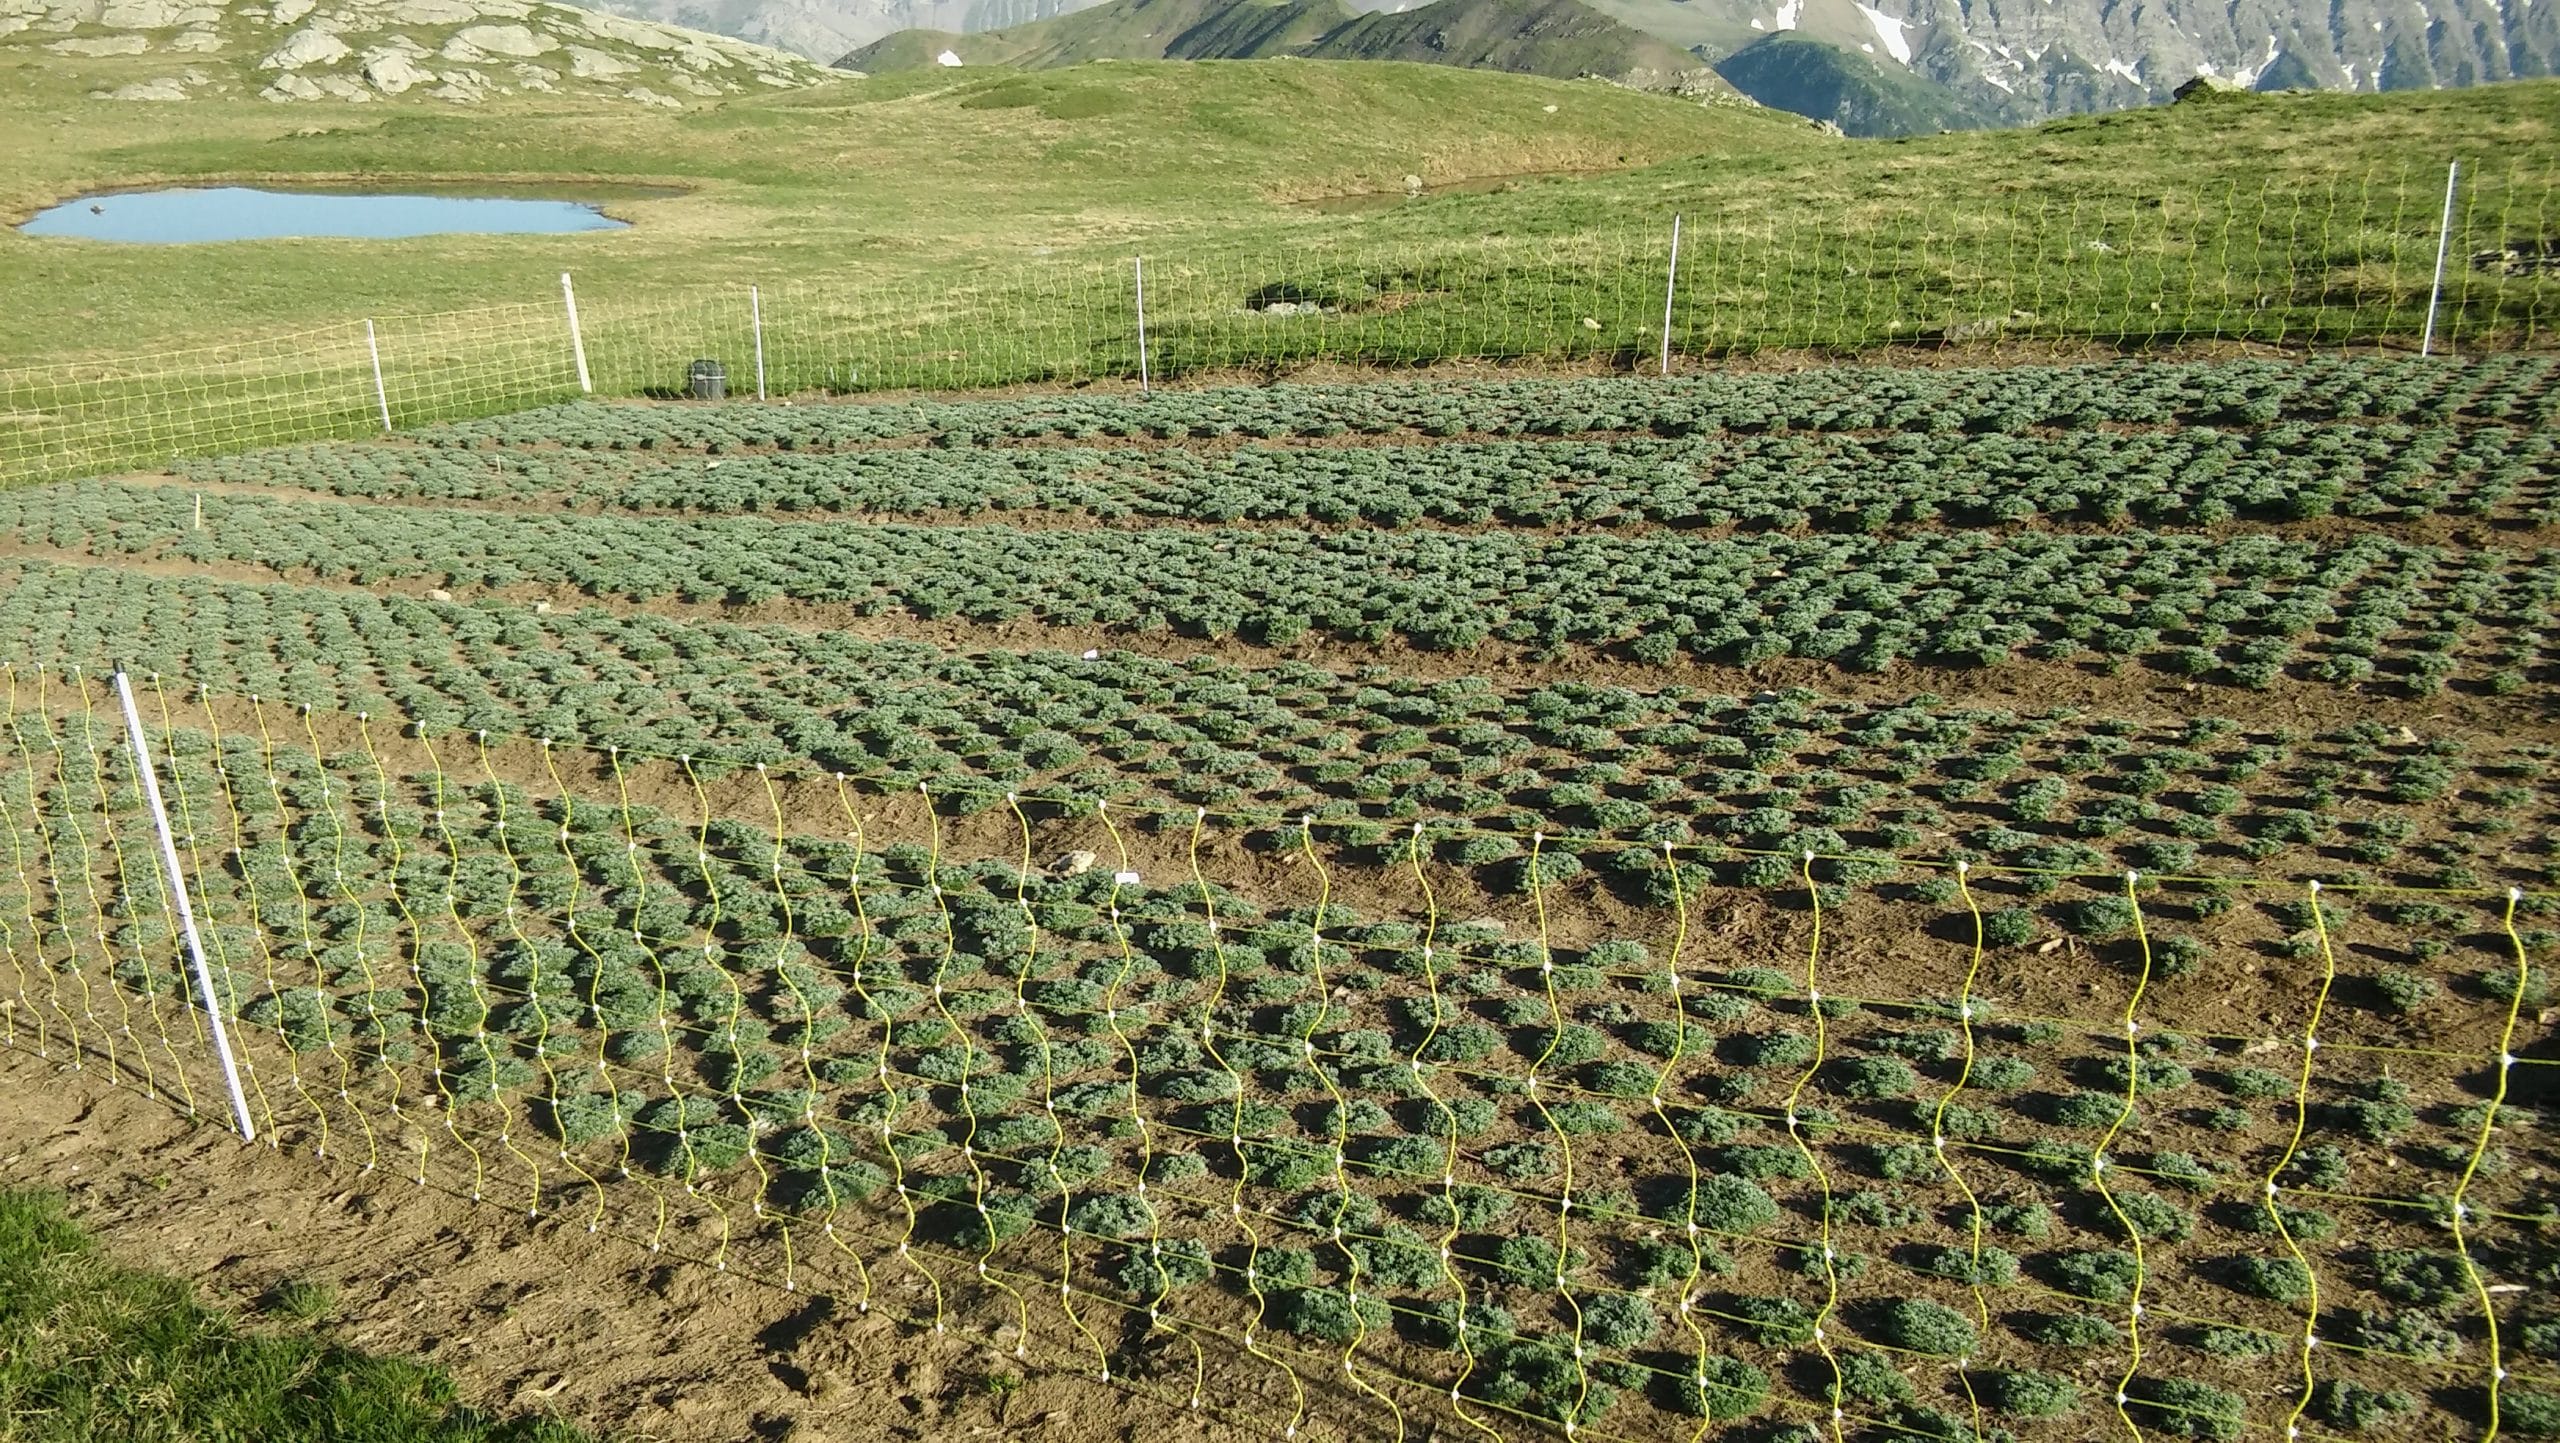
{"x": 921, "y": 232}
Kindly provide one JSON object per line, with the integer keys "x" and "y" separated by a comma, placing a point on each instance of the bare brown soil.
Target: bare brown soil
{"x": 531, "y": 1315}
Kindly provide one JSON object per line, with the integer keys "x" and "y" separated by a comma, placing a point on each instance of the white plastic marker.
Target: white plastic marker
{"x": 577, "y": 343}
{"x": 381, "y": 397}
{"x": 2444, "y": 238}
{"x": 755, "y": 313}
{"x": 1670, "y": 288}
{"x": 186, "y": 912}
{"x": 1139, "y": 264}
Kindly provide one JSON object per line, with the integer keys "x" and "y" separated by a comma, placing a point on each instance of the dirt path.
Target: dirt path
{"x": 529, "y": 1316}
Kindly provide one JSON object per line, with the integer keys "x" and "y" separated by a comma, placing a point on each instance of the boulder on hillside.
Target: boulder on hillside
{"x": 2206, "y": 87}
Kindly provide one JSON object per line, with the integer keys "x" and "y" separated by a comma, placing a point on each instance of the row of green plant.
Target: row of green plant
{"x": 2510, "y": 388}
{"x": 1783, "y": 772}
{"x": 2191, "y": 476}
{"x": 755, "y": 1032}
{"x": 2245, "y": 610}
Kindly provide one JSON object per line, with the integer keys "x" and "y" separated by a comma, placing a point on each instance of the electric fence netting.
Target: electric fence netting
{"x": 2349, "y": 262}
{"x": 1340, "y": 1127}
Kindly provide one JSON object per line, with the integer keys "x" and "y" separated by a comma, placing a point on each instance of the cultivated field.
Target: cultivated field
{"x": 1854, "y": 902}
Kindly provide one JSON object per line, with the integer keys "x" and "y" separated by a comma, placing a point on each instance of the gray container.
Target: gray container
{"x": 708, "y": 381}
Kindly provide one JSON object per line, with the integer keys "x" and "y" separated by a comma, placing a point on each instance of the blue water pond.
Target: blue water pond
{"x": 232, "y": 213}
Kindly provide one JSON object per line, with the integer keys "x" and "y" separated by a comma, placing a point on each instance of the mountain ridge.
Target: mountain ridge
{"x": 2010, "y": 62}
{"x": 1561, "y": 39}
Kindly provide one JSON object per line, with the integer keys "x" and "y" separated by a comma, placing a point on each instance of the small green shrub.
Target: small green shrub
{"x": 2419, "y": 1277}
{"x": 1728, "y": 1204}
{"x": 2181, "y": 1408}
{"x": 2027, "y": 1393}
{"x": 1926, "y": 1327}
{"x": 1328, "y": 1316}
{"x": 1995, "y": 1268}
{"x": 1619, "y": 1321}
{"x": 2001, "y": 1074}
{"x": 2354, "y": 1407}
{"x": 2026, "y": 1220}
{"x": 2530, "y": 1415}
{"x": 1724, "y": 1389}
{"x": 2280, "y": 1280}
{"x": 2235, "y": 1343}
{"x": 2101, "y": 1275}
{"x": 1776, "y": 1322}
{"x": 1871, "y": 1378}
{"x": 1868, "y": 1078}
{"x": 2009, "y": 927}
{"x": 2073, "y": 1330}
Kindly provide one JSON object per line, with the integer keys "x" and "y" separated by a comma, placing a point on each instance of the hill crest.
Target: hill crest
{"x": 455, "y": 51}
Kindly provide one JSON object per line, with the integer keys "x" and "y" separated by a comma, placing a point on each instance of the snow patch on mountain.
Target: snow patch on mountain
{"x": 1888, "y": 30}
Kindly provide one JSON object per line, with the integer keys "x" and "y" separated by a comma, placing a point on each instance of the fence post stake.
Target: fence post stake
{"x": 577, "y": 343}
{"x": 381, "y": 397}
{"x": 755, "y": 317}
{"x": 1670, "y": 288}
{"x": 186, "y": 912}
{"x": 1145, "y": 385}
{"x": 2444, "y": 238}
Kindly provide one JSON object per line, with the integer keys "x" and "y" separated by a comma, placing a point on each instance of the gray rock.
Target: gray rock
{"x": 293, "y": 87}
{"x": 2205, "y": 87}
{"x": 394, "y": 71}
{"x": 305, "y": 48}
{"x": 591, "y": 64}
{"x": 196, "y": 42}
{"x": 430, "y": 12}
{"x": 646, "y": 96}
{"x": 168, "y": 87}
{"x": 475, "y": 41}
{"x": 1074, "y": 864}
{"x": 142, "y": 14}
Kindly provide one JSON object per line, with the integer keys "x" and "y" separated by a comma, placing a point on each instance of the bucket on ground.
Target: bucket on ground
{"x": 708, "y": 381}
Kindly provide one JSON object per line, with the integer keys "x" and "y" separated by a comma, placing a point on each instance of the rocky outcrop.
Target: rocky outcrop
{"x": 455, "y": 51}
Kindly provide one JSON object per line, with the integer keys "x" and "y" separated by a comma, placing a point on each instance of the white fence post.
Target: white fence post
{"x": 755, "y": 318}
{"x": 1145, "y": 385}
{"x": 577, "y": 343}
{"x": 381, "y": 397}
{"x": 2444, "y": 238}
{"x": 186, "y": 912}
{"x": 1670, "y": 288}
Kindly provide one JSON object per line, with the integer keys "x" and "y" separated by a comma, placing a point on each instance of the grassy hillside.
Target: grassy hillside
{"x": 866, "y": 179}
{"x": 1018, "y": 184}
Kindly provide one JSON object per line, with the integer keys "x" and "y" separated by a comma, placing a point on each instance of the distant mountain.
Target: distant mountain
{"x": 824, "y": 29}
{"x": 1121, "y": 30}
{"x": 457, "y": 51}
{"x": 2008, "y": 61}
{"x": 2018, "y": 61}
{"x": 1560, "y": 38}
{"x": 1858, "y": 93}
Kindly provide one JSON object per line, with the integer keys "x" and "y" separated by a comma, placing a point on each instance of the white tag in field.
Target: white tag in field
{"x": 1125, "y": 879}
